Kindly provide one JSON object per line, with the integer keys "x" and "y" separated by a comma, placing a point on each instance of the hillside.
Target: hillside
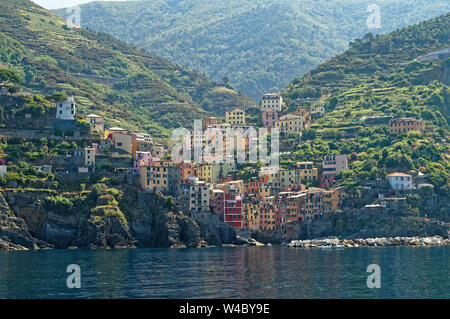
{"x": 260, "y": 45}
{"x": 383, "y": 76}
{"x": 126, "y": 85}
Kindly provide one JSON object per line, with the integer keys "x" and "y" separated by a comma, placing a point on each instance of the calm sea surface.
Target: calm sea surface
{"x": 256, "y": 272}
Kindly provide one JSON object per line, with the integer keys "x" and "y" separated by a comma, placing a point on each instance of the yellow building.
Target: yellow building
{"x": 87, "y": 155}
{"x": 235, "y": 116}
{"x": 265, "y": 190}
{"x": 267, "y": 212}
{"x": 162, "y": 176}
{"x": 113, "y": 130}
{"x": 123, "y": 141}
{"x": 290, "y": 123}
{"x": 251, "y": 215}
{"x": 307, "y": 171}
{"x": 332, "y": 200}
{"x": 205, "y": 172}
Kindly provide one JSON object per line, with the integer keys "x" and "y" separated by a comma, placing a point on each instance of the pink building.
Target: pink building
{"x": 142, "y": 159}
{"x": 217, "y": 202}
{"x": 269, "y": 117}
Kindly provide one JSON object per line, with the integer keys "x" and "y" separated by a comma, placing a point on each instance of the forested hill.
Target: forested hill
{"x": 403, "y": 74}
{"x": 260, "y": 45}
{"x": 129, "y": 87}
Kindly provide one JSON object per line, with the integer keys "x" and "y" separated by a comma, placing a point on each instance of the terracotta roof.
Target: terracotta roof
{"x": 399, "y": 174}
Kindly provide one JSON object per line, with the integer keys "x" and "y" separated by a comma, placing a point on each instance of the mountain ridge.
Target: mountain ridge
{"x": 259, "y": 45}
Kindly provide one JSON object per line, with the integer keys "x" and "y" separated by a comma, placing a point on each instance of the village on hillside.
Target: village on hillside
{"x": 269, "y": 198}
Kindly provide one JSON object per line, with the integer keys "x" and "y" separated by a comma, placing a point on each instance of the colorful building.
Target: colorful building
{"x": 289, "y": 178}
{"x": 235, "y": 117}
{"x": 205, "y": 172}
{"x": 268, "y": 210}
{"x": 251, "y": 213}
{"x": 233, "y": 210}
{"x": 405, "y": 125}
{"x": 332, "y": 200}
{"x": 194, "y": 195}
{"x": 209, "y": 122}
{"x": 269, "y": 118}
{"x": 290, "y": 123}
{"x": 307, "y": 171}
{"x": 313, "y": 202}
{"x": 217, "y": 199}
{"x": 163, "y": 176}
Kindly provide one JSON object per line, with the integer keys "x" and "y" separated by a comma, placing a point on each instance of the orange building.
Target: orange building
{"x": 255, "y": 183}
{"x": 188, "y": 170}
{"x": 405, "y": 125}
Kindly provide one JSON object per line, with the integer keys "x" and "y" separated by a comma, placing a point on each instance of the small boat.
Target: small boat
{"x": 333, "y": 247}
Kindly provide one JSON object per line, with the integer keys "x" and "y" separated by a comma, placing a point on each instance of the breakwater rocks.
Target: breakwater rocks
{"x": 371, "y": 242}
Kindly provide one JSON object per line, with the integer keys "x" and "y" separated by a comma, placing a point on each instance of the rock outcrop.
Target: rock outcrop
{"x": 14, "y": 234}
{"x": 31, "y": 221}
{"x": 371, "y": 224}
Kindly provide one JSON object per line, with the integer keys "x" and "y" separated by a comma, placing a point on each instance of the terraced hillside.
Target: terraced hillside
{"x": 404, "y": 74}
{"x": 129, "y": 87}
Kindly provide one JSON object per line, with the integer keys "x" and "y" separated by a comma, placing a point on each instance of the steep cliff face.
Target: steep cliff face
{"x": 14, "y": 234}
{"x": 370, "y": 224}
{"x": 44, "y": 219}
{"x": 155, "y": 222}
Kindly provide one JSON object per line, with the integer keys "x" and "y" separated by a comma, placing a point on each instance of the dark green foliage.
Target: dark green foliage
{"x": 7, "y": 76}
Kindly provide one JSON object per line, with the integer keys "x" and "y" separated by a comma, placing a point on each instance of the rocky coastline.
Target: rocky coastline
{"x": 141, "y": 220}
{"x": 370, "y": 242}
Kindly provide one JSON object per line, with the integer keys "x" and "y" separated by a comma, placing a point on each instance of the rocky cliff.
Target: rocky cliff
{"x": 371, "y": 224}
{"x": 33, "y": 219}
{"x": 14, "y": 234}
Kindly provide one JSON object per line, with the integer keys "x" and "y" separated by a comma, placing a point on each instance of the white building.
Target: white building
{"x": 66, "y": 110}
{"x": 271, "y": 101}
{"x": 400, "y": 181}
{"x": 318, "y": 110}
